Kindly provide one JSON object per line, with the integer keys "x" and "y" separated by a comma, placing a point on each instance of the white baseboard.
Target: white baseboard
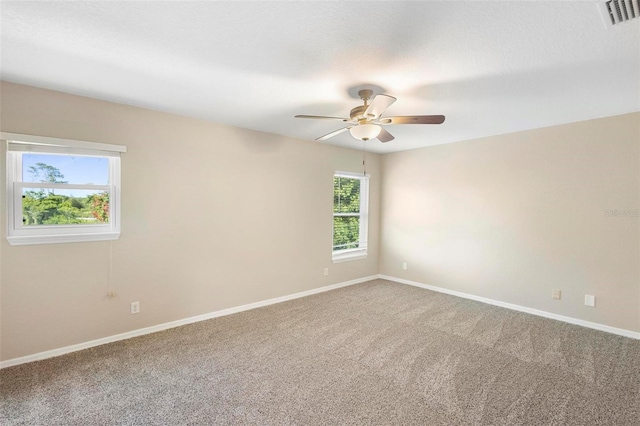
{"x": 147, "y": 330}
{"x": 570, "y": 320}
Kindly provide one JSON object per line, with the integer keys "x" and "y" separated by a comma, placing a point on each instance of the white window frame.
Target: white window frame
{"x": 360, "y": 252}
{"x": 17, "y": 234}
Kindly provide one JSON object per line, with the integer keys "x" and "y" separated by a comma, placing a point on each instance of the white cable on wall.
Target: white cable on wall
{"x": 110, "y": 291}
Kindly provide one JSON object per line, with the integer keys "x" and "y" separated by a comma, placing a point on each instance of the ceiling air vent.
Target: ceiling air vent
{"x": 618, "y": 11}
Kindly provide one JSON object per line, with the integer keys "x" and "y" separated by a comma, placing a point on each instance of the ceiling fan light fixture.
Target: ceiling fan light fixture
{"x": 366, "y": 120}
{"x": 365, "y": 132}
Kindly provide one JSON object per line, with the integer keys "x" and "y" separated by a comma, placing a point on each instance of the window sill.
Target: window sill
{"x": 25, "y": 240}
{"x": 349, "y": 256}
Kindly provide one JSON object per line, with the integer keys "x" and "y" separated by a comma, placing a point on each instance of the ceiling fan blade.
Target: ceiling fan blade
{"x": 413, "y": 119}
{"x": 321, "y": 117}
{"x": 378, "y": 105}
{"x": 385, "y": 136}
{"x": 332, "y": 134}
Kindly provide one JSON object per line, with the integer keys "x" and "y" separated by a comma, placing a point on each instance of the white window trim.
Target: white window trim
{"x": 360, "y": 252}
{"x": 16, "y": 233}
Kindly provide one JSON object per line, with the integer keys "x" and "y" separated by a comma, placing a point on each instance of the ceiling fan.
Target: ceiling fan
{"x": 366, "y": 121}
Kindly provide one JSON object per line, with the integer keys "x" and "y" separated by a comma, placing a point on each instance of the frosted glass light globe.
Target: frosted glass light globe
{"x": 365, "y": 132}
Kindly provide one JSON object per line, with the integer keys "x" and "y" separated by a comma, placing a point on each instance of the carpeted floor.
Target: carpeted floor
{"x": 372, "y": 353}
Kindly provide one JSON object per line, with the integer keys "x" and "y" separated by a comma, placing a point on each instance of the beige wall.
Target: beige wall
{"x": 212, "y": 217}
{"x": 204, "y": 208}
{"x": 514, "y": 216}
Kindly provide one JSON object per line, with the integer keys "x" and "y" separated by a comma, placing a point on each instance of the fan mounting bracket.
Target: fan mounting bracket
{"x": 354, "y": 91}
{"x": 365, "y": 94}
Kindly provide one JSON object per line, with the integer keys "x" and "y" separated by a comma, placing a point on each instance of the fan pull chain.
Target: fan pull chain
{"x": 364, "y": 158}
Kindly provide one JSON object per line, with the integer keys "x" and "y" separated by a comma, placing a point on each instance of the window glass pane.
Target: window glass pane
{"x": 73, "y": 169}
{"x": 346, "y": 230}
{"x": 346, "y": 195}
{"x": 64, "y": 207}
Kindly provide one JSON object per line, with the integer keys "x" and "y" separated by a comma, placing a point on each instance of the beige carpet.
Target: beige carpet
{"x": 373, "y": 353}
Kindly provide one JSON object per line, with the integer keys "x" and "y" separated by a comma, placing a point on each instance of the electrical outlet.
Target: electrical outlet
{"x": 556, "y": 294}
{"x": 326, "y": 271}
{"x": 590, "y": 300}
{"x": 404, "y": 266}
{"x": 135, "y": 307}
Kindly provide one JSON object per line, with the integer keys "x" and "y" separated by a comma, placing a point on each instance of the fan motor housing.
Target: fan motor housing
{"x": 357, "y": 113}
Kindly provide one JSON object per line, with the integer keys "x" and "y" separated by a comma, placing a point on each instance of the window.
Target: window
{"x": 350, "y": 214}
{"x": 61, "y": 191}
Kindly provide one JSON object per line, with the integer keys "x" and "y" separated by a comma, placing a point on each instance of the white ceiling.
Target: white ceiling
{"x": 490, "y": 67}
